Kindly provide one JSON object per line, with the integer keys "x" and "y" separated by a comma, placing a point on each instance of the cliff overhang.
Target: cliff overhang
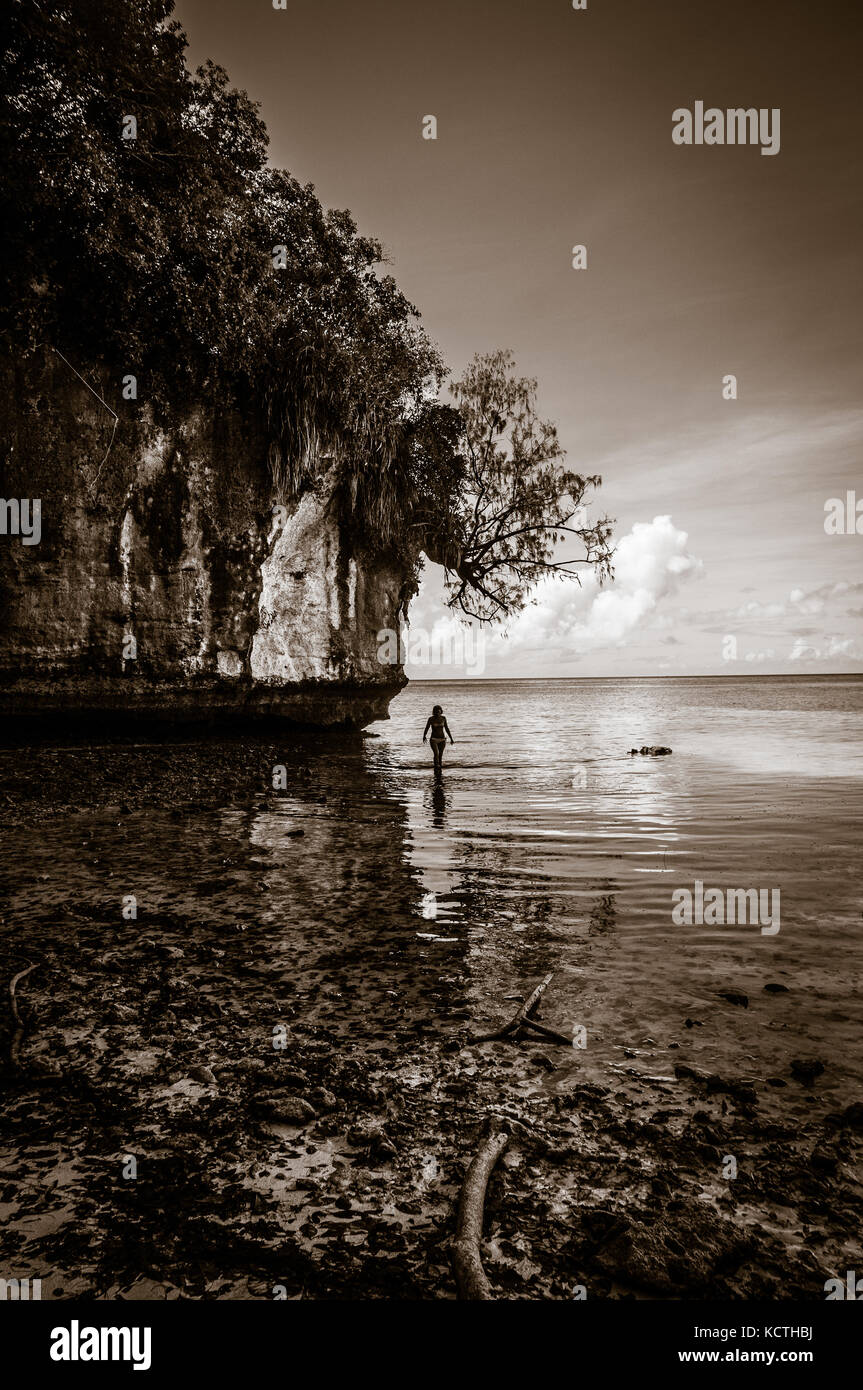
{"x": 171, "y": 583}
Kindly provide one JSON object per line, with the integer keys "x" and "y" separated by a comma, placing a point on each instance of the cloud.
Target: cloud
{"x": 835, "y": 649}
{"x": 650, "y": 564}
{"x": 816, "y": 600}
{"x": 806, "y": 602}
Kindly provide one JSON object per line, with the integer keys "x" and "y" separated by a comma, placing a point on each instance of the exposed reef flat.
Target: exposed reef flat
{"x": 329, "y": 1165}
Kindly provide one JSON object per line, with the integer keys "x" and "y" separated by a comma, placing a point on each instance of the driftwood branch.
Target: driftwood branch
{"x": 521, "y": 1016}
{"x": 549, "y": 1033}
{"x": 18, "y": 1034}
{"x": 466, "y": 1257}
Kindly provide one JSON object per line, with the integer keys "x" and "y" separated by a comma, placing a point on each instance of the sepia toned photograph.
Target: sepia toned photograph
{"x": 431, "y": 667}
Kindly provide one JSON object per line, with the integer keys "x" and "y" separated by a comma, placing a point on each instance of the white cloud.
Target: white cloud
{"x": 650, "y": 563}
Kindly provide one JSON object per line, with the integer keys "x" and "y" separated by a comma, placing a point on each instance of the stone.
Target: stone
{"x": 285, "y": 1110}
{"x": 849, "y": 1118}
{"x": 806, "y": 1071}
{"x": 203, "y": 1075}
{"x": 323, "y": 1099}
{"x": 734, "y": 997}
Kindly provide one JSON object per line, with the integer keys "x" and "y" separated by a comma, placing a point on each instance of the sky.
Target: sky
{"x": 554, "y": 129}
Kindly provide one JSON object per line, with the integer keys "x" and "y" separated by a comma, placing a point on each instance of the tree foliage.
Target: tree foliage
{"x": 154, "y": 256}
{"x": 515, "y": 501}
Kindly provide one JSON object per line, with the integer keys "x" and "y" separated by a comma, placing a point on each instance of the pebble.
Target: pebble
{"x": 806, "y": 1071}
{"x": 203, "y": 1075}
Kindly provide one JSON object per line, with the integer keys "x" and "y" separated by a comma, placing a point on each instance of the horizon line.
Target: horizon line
{"x": 710, "y": 675}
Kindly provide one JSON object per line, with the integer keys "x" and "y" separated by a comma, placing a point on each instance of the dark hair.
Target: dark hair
{"x": 437, "y": 710}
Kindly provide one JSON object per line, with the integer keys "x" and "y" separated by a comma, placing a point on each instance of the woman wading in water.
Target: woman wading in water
{"x": 439, "y": 734}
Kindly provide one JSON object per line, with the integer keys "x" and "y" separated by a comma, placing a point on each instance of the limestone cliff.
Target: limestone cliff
{"x": 168, "y": 580}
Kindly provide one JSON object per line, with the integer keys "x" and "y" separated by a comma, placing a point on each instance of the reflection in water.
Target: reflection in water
{"x": 313, "y": 899}
{"x": 438, "y": 802}
{"x": 562, "y": 852}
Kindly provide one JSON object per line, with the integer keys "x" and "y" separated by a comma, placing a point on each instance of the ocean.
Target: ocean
{"x": 547, "y": 845}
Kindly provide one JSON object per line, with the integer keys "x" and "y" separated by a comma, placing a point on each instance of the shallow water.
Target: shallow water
{"x": 548, "y": 846}
{"x": 410, "y": 904}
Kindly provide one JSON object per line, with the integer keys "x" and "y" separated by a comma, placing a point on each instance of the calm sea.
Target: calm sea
{"x": 546, "y": 845}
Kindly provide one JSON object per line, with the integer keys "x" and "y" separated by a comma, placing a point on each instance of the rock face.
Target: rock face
{"x": 168, "y": 580}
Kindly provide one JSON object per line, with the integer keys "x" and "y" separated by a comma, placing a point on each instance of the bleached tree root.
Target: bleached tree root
{"x": 18, "y": 1034}
{"x": 470, "y": 1276}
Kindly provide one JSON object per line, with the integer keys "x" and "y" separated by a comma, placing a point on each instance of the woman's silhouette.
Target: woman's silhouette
{"x": 439, "y": 734}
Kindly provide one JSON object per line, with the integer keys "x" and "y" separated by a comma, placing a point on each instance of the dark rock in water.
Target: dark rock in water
{"x": 324, "y": 1099}
{"x": 806, "y": 1071}
{"x": 734, "y": 997}
{"x": 370, "y": 1134}
{"x": 849, "y": 1118}
{"x": 775, "y": 989}
{"x": 203, "y": 1075}
{"x": 288, "y": 1078}
{"x": 670, "y": 1256}
{"x": 741, "y": 1091}
{"x": 540, "y": 1060}
{"x": 823, "y": 1161}
{"x": 285, "y": 1110}
{"x": 682, "y": 1071}
{"x": 248, "y": 1066}
{"x": 653, "y": 752}
{"x": 776, "y": 1081}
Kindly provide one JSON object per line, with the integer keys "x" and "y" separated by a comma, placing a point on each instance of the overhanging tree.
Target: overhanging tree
{"x": 515, "y": 501}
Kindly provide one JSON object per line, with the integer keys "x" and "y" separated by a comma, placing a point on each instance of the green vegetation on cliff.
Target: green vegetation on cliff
{"x": 180, "y": 256}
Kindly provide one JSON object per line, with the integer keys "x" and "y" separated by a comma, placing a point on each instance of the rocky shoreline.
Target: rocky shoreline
{"x": 102, "y": 705}
{"x": 291, "y": 1140}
